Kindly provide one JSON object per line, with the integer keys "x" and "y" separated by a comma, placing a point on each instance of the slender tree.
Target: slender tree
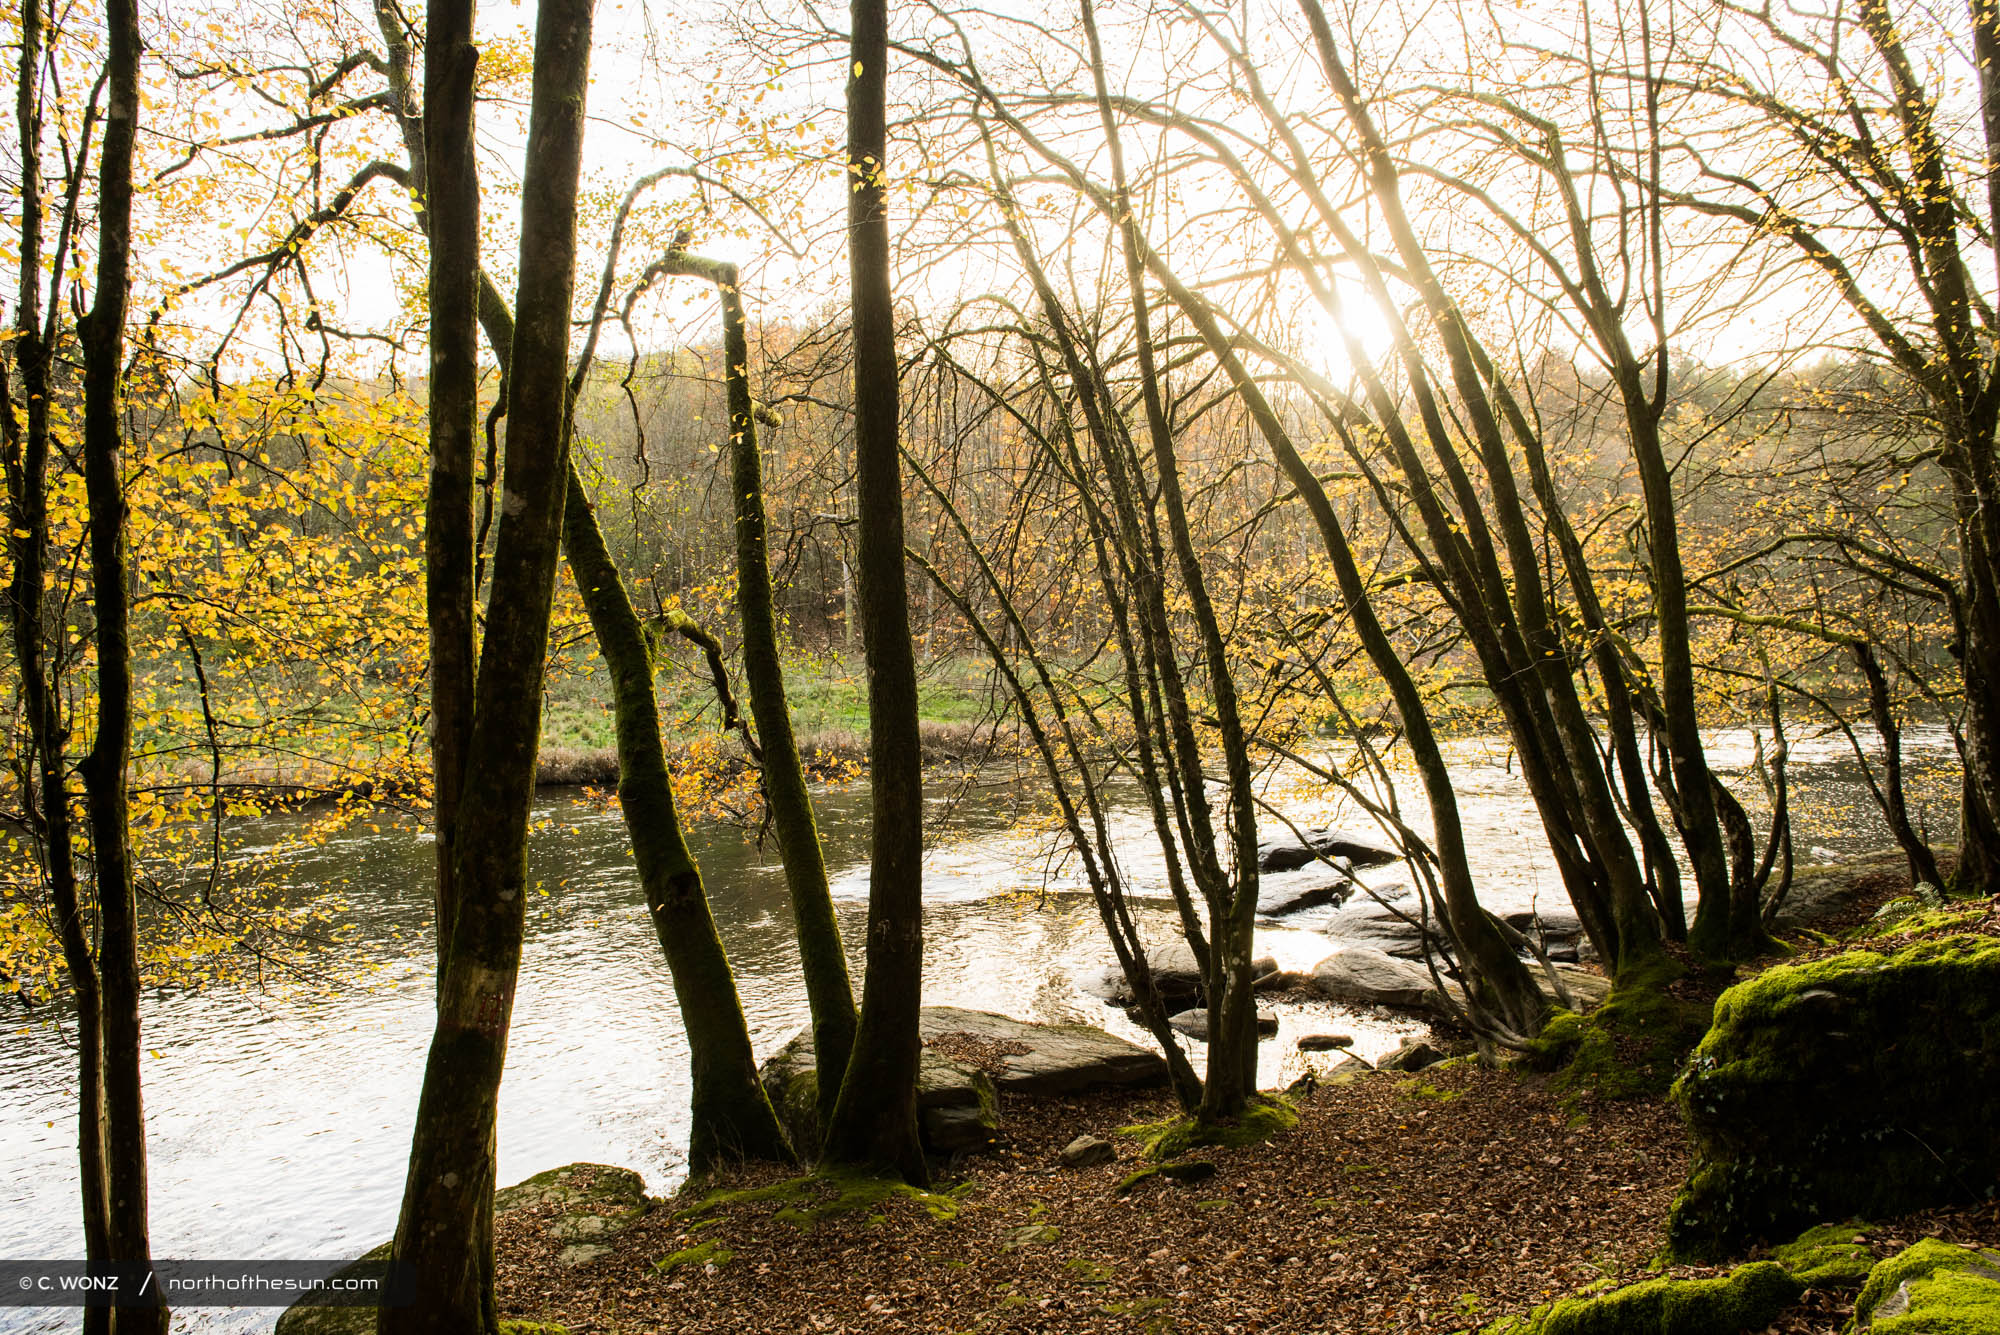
{"x": 874, "y": 1121}
{"x": 450, "y": 1183}
{"x": 822, "y": 956}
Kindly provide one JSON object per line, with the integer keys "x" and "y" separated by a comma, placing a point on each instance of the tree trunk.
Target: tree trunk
{"x": 24, "y": 432}
{"x": 732, "y": 1116}
{"x": 106, "y": 798}
{"x": 450, "y": 1184}
{"x": 874, "y": 1121}
{"x": 822, "y": 956}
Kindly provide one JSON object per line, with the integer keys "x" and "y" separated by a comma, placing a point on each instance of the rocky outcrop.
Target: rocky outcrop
{"x": 1285, "y": 851}
{"x": 1281, "y": 896}
{"x": 1932, "y": 1288}
{"x": 1175, "y": 975}
{"x": 1194, "y": 1024}
{"x": 969, "y": 1059}
{"x": 1863, "y": 1084}
{"x": 1372, "y": 978}
{"x": 587, "y": 1204}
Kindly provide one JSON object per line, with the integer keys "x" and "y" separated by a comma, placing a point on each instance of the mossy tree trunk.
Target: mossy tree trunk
{"x": 449, "y": 1188}
{"x": 822, "y": 957}
{"x": 874, "y": 1121}
{"x": 732, "y": 1116}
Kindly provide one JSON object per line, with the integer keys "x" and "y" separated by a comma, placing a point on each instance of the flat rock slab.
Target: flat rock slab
{"x": 1822, "y": 892}
{"x": 594, "y": 1203}
{"x": 969, "y": 1058}
{"x": 1283, "y": 852}
{"x": 1282, "y": 895}
{"x": 1380, "y": 927}
{"x": 1371, "y": 977}
{"x": 1060, "y": 1058}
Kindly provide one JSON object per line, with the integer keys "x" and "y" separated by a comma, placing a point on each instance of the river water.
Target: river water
{"x": 279, "y": 1116}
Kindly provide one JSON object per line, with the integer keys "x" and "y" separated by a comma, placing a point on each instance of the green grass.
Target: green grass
{"x": 828, "y": 696}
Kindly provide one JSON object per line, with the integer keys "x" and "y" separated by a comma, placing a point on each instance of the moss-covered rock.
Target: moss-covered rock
{"x": 1629, "y": 1047}
{"x": 1932, "y": 1288}
{"x": 1748, "y": 1298}
{"x": 1827, "y": 1257}
{"x": 1860, "y": 1084}
{"x": 593, "y": 1203}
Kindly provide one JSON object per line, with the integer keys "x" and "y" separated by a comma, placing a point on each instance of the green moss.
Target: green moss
{"x": 532, "y": 1328}
{"x": 1916, "y": 1262}
{"x": 1028, "y": 1235}
{"x": 1630, "y": 1047}
{"x": 1134, "y": 1306}
{"x": 1863, "y": 1084}
{"x": 1268, "y": 1116}
{"x": 1088, "y": 1271}
{"x": 806, "y": 1201}
{"x": 1747, "y": 1298}
{"x": 1827, "y": 1257}
{"x": 702, "y": 1253}
{"x": 1915, "y": 920}
{"x": 1417, "y": 1089}
{"x": 1948, "y": 1302}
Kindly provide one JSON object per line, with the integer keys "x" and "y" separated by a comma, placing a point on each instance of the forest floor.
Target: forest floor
{"x": 1429, "y": 1202}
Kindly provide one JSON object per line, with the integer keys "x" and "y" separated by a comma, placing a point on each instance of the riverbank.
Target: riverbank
{"x": 1440, "y": 1200}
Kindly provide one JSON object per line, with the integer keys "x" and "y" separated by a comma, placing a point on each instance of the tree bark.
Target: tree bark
{"x": 105, "y": 769}
{"x": 450, "y": 1180}
{"x": 822, "y": 956}
{"x": 874, "y": 1121}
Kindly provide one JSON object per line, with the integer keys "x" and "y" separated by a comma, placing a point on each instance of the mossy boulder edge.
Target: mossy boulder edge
{"x": 1862, "y": 1084}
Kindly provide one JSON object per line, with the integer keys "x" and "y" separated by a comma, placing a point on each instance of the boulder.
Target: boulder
{"x": 1379, "y": 927}
{"x": 1282, "y": 895}
{"x": 1559, "y": 931}
{"x": 970, "y": 1057}
{"x": 1284, "y": 851}
{"x": 1325, "y": 1042}
{"x": 1087, "y": 1152}
{"x": 1413, "y": 1055}
{"x": 1932, "y": 1286}
{"x": 1174, "y": 974}
{"x": 1359, "y": 974}
{"x": 1194, "y": 1024}
{"x": 1859, "y": 1085}
{"x": 957, "y": 1104}
{"x": 593, "y": 1204}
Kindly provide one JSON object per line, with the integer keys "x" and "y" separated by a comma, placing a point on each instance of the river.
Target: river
{"x": 279, "y": 1115}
